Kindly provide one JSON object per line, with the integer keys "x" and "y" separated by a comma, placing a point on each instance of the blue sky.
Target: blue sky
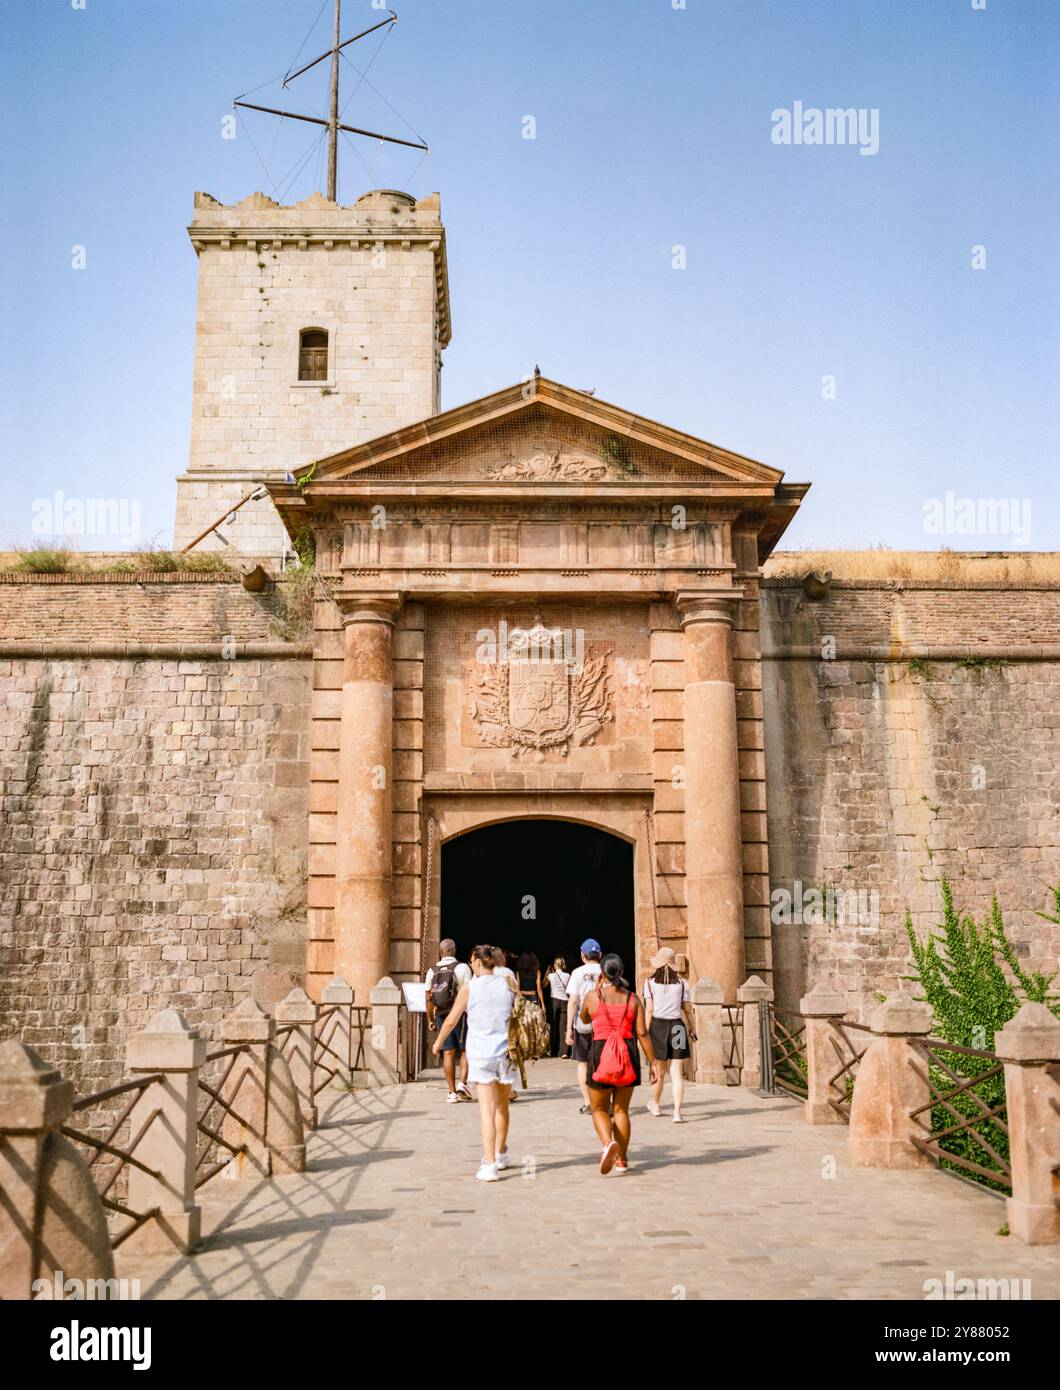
{"x": 653, "y": 131}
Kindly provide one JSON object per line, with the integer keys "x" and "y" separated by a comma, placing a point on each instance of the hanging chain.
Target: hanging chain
{"x": 425, "y": 907}
{"x": 649, "y": 822}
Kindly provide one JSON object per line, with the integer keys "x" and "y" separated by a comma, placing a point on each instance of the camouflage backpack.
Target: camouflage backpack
{"x": 528, "y": 1035}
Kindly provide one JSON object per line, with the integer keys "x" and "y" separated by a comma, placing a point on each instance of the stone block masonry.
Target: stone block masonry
{"x": 897, "y": 760}
{"x": 154, "y": 821}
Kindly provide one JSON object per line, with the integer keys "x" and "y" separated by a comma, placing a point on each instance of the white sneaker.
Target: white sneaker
{"x": 487, "y": 1172}
{"x": 654, "y": 1109}
{"x": 452, "y": 1098}
{"x": 503, "y": 1161}
{"x": 462, "y": 1091}
{"x": 679, "y": 1119}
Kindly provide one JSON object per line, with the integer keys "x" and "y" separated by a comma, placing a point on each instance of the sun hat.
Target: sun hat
{"x": 663, "y": 957}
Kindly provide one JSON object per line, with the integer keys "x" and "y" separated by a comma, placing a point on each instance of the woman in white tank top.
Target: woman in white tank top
{"x": 487, "y": 999}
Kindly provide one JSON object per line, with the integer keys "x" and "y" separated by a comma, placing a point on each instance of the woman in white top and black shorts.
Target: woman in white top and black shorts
{"x": 668, "y": 1006}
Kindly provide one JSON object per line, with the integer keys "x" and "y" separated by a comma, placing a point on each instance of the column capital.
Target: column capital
{"x": 373, "y": 607}
{"x": 714, "y": 607}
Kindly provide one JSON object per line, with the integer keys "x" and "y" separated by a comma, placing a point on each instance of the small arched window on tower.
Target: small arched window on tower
{"x": 313, "y": 355}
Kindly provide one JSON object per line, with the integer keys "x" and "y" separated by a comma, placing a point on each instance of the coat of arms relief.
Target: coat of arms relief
{"x": 541, "y": 698}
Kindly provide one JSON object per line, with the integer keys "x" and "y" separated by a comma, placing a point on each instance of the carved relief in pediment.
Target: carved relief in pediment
{"x": 551, "y": 465}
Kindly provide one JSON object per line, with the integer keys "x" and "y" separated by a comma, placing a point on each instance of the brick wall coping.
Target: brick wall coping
{"x": 1045, "y": 586}
{"x": 120, "y": 577}
{"x": 1040, "y": 651}
{"x": 161, "y": 651}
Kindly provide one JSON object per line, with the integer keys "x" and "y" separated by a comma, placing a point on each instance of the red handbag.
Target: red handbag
{"x": 616, "y": 1066}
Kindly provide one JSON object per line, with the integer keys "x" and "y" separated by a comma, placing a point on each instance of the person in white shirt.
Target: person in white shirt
{"x": 487, "y": 1001}
{"x": 579, "y": 1034}
{"x": 556, "y": 980}
{"x": 444, "y": 982}
{"x": 668, "y": 1006}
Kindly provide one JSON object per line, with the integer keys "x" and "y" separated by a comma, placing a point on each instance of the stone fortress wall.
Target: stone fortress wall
{"x": 156, "y": 790}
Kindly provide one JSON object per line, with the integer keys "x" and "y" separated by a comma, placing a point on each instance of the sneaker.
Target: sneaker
{"x": 503, "y": 1161}
{"x": 654, "y": 1109}
{"x": 608, "y": 1157}
{"x": 620, "y": 1167}
{"x": 452, "y": 1098}
{"x": 487, "y": 1172}
{"x": 679, "y": 1119}
{"x": 462, "y": 1091}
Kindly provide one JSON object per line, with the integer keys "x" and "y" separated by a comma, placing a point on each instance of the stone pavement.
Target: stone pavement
{"x": 733, "y": 1204}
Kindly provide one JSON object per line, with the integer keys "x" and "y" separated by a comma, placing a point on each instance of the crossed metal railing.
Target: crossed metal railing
{"x": 973, "y": 1106}
{"x": 848, "y": 1055}
{"x": 340, "y": 1040}
{"x": 125, "y": 1155}
{"x": 787, "y": 1042}
{"x": 215, "y": 1096}
{"x": 732, "y": 1041}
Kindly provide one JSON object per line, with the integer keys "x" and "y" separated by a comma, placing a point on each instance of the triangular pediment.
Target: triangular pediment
{"x": 539, "y": 432}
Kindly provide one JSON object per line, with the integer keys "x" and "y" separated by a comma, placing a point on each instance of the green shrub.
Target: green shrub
{"x": 974, "y": 981}
{"x": 45, "y": 559}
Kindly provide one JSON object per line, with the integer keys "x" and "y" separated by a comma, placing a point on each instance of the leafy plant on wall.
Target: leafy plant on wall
{"x": 975, "y": 983}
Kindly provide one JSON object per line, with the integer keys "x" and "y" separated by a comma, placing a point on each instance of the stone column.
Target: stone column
{"x": 707, "y": 1001}
{"x": 169, "y": 1146}
{"x": 713, "y": 843}
{"x": 819, "y": 1008}
{"x": 887, "y": 1089}
{"x": 299, "y": 1012}
{"x": 1028, "y": 1044}
{"x": 750, "y": 995}
{"x": 52, "y": 1224}
{"x": 384, "y": 1034}
{"x": 363, "y": 851}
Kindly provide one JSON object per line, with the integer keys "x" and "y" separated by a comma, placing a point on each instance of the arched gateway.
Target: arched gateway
{"x": 541, "y": 886}
{"x": 537, "y": 607}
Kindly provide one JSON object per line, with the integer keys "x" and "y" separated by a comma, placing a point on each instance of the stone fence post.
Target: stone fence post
{"x": 819, "y": 1008}
{"x": 337, "y": 1028}
{"x": 300, "y": 1012}
{"x": 52, "y": 1222}
{"x": 887, "y": 1089}
{"x": 1028, "y": 1044}
{"x": 170, "y": 1143}
{"x": 708, "y": 999}
{"x": 753, "y": 992}
{"x": 247, "y": 1087}
{"x": 384, "y": 1035}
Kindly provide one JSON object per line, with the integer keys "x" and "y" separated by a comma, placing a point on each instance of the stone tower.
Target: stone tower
{"x": 318, "y": 327}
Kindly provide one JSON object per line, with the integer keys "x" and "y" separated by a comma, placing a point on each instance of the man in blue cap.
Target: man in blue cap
{"x": 580, "y": 1035}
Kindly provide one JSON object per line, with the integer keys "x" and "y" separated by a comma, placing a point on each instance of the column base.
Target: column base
{"x": 818, "y": 1113}
{"x": 167, "y": 1234}
{"x": 1036, "y": 1223}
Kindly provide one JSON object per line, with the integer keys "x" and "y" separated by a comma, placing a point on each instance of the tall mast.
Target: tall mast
{"x": 333, "y": 124}
{"x": 333, "y": 118}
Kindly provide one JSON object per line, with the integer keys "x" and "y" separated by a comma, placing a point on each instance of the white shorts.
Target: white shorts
{"x": 481, "y": 1071}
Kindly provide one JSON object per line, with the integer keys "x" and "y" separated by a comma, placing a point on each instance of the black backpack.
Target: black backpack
{"x": 443, "y": 988}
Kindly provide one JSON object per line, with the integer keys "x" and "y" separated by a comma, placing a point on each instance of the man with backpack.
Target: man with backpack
{"x": 444, "y": 982}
